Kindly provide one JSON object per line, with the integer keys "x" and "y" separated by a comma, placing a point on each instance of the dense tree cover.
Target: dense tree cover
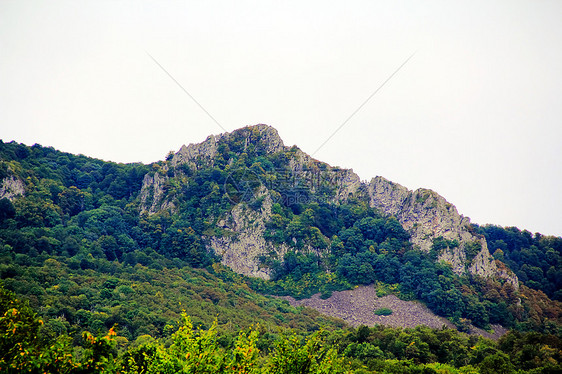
{"x": 366, "y": 248}
{"x": 86, "y": 259}
{"x": 27, "y": 347}
{"x": 536, "y": 259}
{"x": 381, "y": 349}
{"x": 189, "y": 349}
{"x": 141, "y": 299}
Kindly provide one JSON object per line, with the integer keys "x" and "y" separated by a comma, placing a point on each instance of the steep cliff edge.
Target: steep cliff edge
{"x": 427, "y": 216}
{"x": 202, "y": 154}
{"x": 152, "y": 194}
{"x": 244, "y": 245}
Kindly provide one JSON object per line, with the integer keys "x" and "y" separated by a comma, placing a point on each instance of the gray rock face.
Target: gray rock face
{"x": 426, "y": 215}
{"x": 194, "y": 154}
{"x": 242, "y": 251}
{"x": 11, "y": 187}
{"x": 314, "y": 174}
{"x": 423, "y": 213}
{"x": 152, "y": 194}
{"x": 270, "y": 138}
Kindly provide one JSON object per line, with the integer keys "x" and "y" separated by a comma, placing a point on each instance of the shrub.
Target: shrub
{"x": 383, "y": 312}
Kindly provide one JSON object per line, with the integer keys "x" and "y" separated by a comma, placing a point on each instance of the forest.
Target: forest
{"x": 91, "y": 284}
{"x": 26, "y": 346}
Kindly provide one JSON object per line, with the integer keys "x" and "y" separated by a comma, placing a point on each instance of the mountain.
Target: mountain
{"x": 273, "y": 212}
{"x": 292, "y": 224}
{"x": 227, "y": 231}
{"x": 424, "y": 214}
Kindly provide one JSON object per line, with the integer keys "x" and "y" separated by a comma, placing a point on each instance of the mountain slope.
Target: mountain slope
{"x": 295, "y": 225}
{"x": 423, "y": 213}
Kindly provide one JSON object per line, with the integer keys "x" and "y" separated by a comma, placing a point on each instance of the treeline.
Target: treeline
{"x": 24, "y": 347}
{"x": 76, "y": 206}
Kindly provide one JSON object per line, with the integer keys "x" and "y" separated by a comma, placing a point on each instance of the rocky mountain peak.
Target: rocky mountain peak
{"x": 425, "y": 214}
{"x": 263, "y": 136}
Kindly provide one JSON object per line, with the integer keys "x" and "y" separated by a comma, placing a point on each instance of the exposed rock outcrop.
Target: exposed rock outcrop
{"x": 314, "y": 174}
{"x": 303, "y": 171}
{"x": 202, "y": 152}
{"x": 11, "y": 187}
{"x": 423, "y": 213}
{"x": 196, "y": 155}
{"x": 243, "y": 250}
{"x": 152, "y": 194}
{"x": 426, "y": 215}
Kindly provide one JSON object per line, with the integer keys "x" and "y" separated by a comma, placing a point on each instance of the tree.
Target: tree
{"x": 18, "y": 328}
{"x": 71, "y": 201}
{"x": 7, "y": 210}
{"x": 21, "y": 350}
{"x": 292, "y": 355}
{"x": 497, "y": 363}
{"x": 194, "y": 351}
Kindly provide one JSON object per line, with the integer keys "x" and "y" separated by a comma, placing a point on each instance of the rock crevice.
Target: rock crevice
{"x": 243, "y": 250}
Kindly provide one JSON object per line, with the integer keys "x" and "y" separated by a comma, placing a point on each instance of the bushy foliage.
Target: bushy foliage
{"x": 22, "y": 350}
{"x": 383, "y": 312}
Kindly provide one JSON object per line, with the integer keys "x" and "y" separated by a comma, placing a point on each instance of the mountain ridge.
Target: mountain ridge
{"x": 271, "y": 211}
{"x": 425, "y": 214}
{"x": 90, "y": 244}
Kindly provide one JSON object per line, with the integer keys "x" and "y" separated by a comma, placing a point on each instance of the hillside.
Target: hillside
{"x": 285, "y": 216}
{"x": 219, "y": 228}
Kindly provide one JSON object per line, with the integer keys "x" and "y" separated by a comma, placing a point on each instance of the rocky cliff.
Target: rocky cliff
{"x": 243, "y": 250}
{"x": 152, "y": 196}
{"x": 197, "y": 155}
{"x": 425, "y": 214}
{"x": 11, "y": 187}
{"x": 304, "y": 170}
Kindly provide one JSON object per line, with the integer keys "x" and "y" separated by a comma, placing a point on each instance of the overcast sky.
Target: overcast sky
{"x": 475, "y": 114}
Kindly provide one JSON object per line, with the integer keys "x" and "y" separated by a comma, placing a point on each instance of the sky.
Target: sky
{"x": 475, "y": 114}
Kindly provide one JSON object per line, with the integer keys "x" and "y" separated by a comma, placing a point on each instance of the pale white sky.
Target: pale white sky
{"x": 475, "y": 115}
